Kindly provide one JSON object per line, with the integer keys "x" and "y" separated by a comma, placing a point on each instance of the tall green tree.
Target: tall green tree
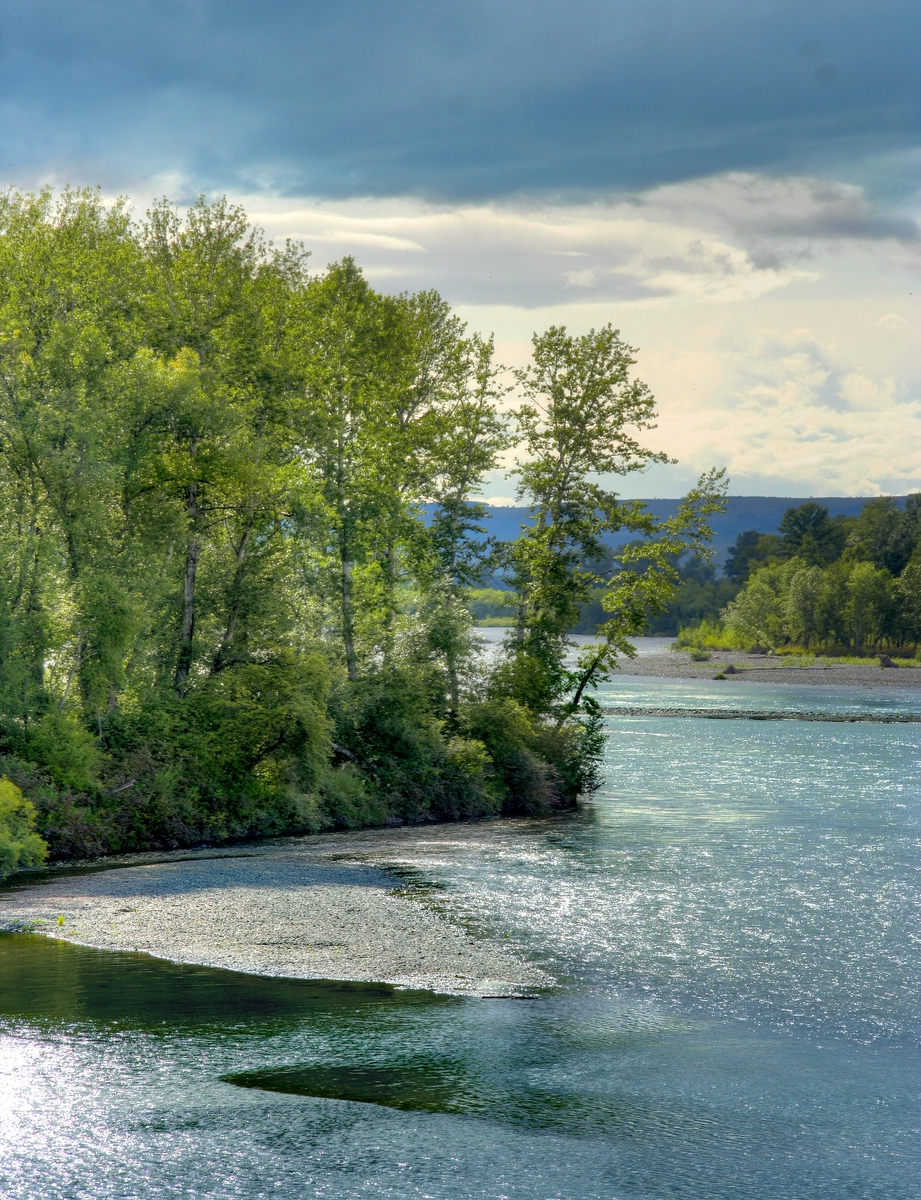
{"x": 882, "y": 535}
{"x": 471, "y": 436}
{"x": 808, "y": 533}
{"x": 578, "y": 422}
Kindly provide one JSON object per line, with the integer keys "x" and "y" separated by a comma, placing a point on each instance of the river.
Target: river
{"x": 733, "y": 922}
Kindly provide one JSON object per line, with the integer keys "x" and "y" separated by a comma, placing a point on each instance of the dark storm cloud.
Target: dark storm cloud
{"x": 453, "y": 100}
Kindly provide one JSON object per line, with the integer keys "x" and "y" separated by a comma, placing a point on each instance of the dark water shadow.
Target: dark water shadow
{"x": 465, "y": 1087}
{"x": 48, "y": 980}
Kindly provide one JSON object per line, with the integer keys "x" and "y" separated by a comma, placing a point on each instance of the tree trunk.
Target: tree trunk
{"x": 342, "y": 511}
{"x": 453, "y": 685}
{"x": 390, "y": 583}
{"x": 522, "y": 613}
{"x": 348, "y": 630}
{"x": 233, "y": 615}
{"x": 193, "y": 553}
{"x": 584, "y": 681}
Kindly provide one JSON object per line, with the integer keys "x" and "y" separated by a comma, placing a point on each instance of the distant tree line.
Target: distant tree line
{"x": 851, "y": 582}
{"x": 223, "y": 611}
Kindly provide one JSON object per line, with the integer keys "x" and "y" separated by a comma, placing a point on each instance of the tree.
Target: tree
{"x": 808, "y": 533}
{"x": 471, "y": 436}
{"x": 831, "y": 615}
{"x": 222, "y": 610}
{"x": 802, "y": 605}
{"x": 580, "y": 406}
{"x": 908, "y": 588}
{"x": 882, "y": 535}
{"x": 758, "y": 615}
{"x": 869, "y": 596}
{"x": 750, "y": 551}
{"x": 200, "y": 275}
{"x": 343, "y": 435}
{"x": 20, "y": 845}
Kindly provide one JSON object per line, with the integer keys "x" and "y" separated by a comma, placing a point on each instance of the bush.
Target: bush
{"x": 536, "y": 766}
{"x": 20, "y": 845}
{"x": 348, "y": 801}
{"x": 708, "y": 635}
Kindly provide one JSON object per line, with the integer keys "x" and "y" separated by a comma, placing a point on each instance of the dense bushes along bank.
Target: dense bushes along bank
{"x": 221, "y": 611}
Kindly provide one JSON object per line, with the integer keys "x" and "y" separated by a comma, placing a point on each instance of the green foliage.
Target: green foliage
{"x": 491, "y": 602}
{"x": 708, "y": 635}
{"x": 809, "y": 534}
{"x": 222, "y": 614}
{"x": 848, "y": 603}
{"x": 20, "y": 845}
{"x": 581, "y": 408}
{"x": 750, "y": 550}
{"x": 885, "y": 535}
{"x": 65, "y": 748}
{"x": 699, "y": 596}
{"x": 828, "y": 581}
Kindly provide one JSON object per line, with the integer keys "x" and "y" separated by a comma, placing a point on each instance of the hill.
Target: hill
{"x": 763, "y": 513}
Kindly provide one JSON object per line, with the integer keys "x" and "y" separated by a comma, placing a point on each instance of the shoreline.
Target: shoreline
{"x": 304, "y": 910}
{"x": 760, "y": 668}
{"x": 314, "y": 907}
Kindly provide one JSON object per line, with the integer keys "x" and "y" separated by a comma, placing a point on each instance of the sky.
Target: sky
{"x": 736, "y": 187}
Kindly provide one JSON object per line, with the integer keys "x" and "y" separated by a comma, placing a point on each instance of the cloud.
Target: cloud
{"x": 460, "y": 101}
{"x": 795, "y": 410}
{"x": 735, "y": 186}
{"x": 792, "y": 361}
{"x": 720, "y": 240}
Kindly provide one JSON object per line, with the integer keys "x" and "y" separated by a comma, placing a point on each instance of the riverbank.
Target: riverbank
{"x": 298, "y": 909}
{"x": 760, "y": 668}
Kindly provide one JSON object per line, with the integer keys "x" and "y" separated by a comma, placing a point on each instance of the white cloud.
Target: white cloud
{"x": 774, "y": 316}
{"x": 580, "y": 279}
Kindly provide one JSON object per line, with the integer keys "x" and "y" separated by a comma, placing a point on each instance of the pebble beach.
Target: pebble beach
{"x": 291, "y": 909}
{"x": 761, "y": 668}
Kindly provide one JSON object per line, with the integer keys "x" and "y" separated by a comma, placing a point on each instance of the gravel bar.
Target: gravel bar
{"x": 293, "y": 911}
{"x": 754, "y": 669}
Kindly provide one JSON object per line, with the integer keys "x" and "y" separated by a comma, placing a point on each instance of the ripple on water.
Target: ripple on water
{"x": 734, "y": 920}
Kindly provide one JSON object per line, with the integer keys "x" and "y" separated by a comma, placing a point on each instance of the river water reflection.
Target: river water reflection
{"x": 734, "y": 924}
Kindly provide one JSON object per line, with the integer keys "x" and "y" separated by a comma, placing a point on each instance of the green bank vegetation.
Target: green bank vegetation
{"x": 841, "y": 586}
{"x": 20, "y": 846}
{"x": 222, "y": 612}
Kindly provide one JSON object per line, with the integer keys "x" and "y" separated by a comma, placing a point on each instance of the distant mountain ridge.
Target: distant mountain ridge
{"x": 763, "y": 513}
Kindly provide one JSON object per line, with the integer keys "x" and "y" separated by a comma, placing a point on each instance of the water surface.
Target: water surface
{"x": 734, "y": 924}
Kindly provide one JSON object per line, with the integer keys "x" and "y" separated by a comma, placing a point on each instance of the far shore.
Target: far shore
{"x": 762, "y": 668}
{"x": 657, "y": 660}
{"x": 297, "y": 909}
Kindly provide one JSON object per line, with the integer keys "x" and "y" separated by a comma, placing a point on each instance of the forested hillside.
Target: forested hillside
{"x": 741, "y": 513}
{"x": 223, "y": 611}
{"x": 706, "y": 587}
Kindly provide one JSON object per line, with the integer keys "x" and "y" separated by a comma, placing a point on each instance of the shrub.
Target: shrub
{"x": 524, "y": 780}
{"x": 710, "y": 635}
{"x": 348, "y": 800}
{"x": 20, "y": 845}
